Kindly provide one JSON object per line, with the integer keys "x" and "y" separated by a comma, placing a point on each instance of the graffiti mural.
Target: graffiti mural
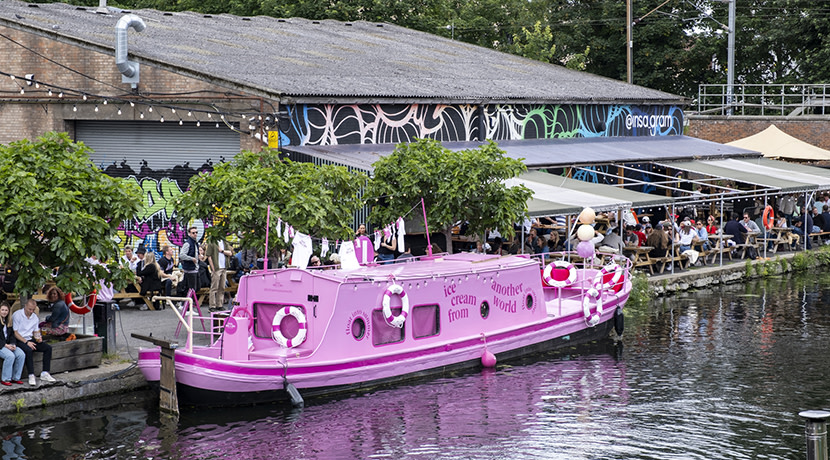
{"x": 376, "y": 124}
{"x": 330, "y": 124}
{"x": 155, "y": 225}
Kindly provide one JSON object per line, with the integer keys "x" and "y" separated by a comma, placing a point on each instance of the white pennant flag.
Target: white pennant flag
{"x": 348, "y": 259}
{"x": 302, "y": 250}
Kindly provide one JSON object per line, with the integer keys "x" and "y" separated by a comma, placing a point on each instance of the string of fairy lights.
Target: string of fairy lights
{"x": 192, "y": 111}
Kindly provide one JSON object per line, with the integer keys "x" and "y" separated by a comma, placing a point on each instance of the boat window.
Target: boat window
{"x": 485, "y": 309}
{"x": 529, "y": 301}
{"x": 382, "y": 331}
{"x": 358, "y": 328}
{"x": 426, "y": 321}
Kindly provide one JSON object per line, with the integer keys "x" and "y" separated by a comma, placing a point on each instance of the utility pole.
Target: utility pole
{"x": 629, "y": 41}
{"x": 730, "y": 59}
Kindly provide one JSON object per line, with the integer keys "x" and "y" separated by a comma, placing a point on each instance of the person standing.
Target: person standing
{"x": 218, "y": 254}
{"x": 189, "y": 258}
{"x": 13, "y": 357}
{"x": 28, "y": 337}
{"x": 386, "y": 252}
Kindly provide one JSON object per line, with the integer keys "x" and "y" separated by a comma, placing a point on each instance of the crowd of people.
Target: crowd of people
{"x": 689, "y": 229}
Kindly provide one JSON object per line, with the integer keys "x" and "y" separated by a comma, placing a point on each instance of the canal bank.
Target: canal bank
{"x": 733, "y": 271}
{"x": 116, "y": 375}
{"x": 117, "y": 378}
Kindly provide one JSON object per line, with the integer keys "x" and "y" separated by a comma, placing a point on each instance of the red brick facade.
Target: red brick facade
{"x": 29, "y": 115}
{"x": 813, "y": 130}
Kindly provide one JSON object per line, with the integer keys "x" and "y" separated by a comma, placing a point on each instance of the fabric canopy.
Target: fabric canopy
{"x": 556, "y": 195}
{"x": 774, "y": 143}
{"x": 777, "y": 176}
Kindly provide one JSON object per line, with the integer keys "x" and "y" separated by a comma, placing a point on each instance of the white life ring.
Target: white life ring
{"x": 559, "y": 264}
{"x": 397, "y": 321}
{"x": 276, "y": 331}
{"x": 616, "y": 272}
{"x": 592, "y": 294}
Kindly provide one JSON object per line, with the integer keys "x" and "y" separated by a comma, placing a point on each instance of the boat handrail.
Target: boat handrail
{"x": 188, "y": 325}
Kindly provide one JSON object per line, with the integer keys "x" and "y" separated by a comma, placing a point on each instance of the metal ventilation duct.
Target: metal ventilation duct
{"x": 129, "y": 69}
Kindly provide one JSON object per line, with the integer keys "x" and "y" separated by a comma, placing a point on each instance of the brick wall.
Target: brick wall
{"x": 29, "y": 115}
{"x": 813, "y": 130}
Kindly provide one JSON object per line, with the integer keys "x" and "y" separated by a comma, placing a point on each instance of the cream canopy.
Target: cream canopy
{"x": 774, "y": 143}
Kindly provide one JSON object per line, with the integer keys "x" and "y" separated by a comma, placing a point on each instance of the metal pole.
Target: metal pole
{"x": 730, "y": 58}
{"x": 815, "y": 431}
{"x": 629, "y": 41}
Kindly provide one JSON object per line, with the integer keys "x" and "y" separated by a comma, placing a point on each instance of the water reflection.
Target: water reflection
{"x": 713, "y": 374}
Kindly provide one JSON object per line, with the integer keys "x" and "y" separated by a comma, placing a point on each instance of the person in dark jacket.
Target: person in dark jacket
{"x": 150, "y": 275}
{"x": 13, "y": 357}
{"x": 57, "y": 323}
{"x": 734, "y": 228}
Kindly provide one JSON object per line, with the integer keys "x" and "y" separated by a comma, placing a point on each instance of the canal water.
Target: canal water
{"x": 710, "y": 374}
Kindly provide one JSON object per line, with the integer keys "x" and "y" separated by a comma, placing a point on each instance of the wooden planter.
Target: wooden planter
{"x": 83, "y": 352}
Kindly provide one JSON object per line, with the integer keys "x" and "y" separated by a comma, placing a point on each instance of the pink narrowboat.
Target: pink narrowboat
{"x": 296, "y": 333}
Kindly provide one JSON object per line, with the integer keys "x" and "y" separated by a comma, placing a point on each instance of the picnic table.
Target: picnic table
{"x": 641, "y": 256}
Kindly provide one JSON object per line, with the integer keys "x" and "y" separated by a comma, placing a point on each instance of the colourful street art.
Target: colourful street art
{"x": 328, "y": 124}
{"x": 374, "y": 124}
{"x": 155, "y": 226}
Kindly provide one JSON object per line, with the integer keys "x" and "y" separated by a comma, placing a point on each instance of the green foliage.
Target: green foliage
{"x": 467, "y": 185}
{"x": 641, "y": 291}
{"x": 58, "y": 209}
{"x": 823, "y": 255}
{"x": 316, "y": 200}
{"x": 535, "y": 44}
{"x": 19, "y": 404}
{"x": 784, "y": 265}
{"x": 801, "y": 261}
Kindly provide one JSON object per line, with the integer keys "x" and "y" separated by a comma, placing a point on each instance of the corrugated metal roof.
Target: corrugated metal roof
{"x": 303, "y": 58}
{"x": 550, "y": 153}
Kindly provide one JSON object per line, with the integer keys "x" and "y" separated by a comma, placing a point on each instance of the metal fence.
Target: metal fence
{"x": 764, "y": 100}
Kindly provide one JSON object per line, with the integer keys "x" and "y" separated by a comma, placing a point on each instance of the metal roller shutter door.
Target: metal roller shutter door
{"x": 162, "y": 145}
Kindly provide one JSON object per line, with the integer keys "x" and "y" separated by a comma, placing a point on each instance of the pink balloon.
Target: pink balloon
{"x": 585, "y": 249}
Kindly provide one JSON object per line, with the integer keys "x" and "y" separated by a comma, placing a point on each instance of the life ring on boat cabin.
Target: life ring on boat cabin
{"x": 276, "y": 327}
{"x": 395, "y": 320}
{"x": 592, "y": 318}
{"x": 553, "y": 276}
{"x": 769, "y": 217}
{"x": 91, "y": 300}
{"x": 239, "y": 312}
{"x": 609, "y": 277}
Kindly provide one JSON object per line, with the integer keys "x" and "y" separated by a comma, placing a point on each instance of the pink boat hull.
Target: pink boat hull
{"x": 461, "y": 307}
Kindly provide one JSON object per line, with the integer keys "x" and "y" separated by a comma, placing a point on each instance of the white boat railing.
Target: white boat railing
{"x": 188, "y": 324}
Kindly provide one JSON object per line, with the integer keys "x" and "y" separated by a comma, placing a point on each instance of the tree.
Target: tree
{"x": 315, "y": 200}
{"x": 58, "y": 209}
{"x": 456, "y": 186}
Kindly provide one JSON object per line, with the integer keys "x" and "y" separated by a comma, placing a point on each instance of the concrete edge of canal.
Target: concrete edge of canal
{"x": 54, "y": 400}
{"x": 732, "y": 271}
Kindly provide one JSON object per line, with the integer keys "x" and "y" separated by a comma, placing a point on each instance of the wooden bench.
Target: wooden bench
{"x": 818, "y": 236}
{"x": 83, "y": 352}
{"x": 667, "y": 260}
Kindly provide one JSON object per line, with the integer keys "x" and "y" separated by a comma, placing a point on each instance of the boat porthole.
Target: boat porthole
{"x": 485, "y": 309}
{"x": 529, "y": 301}
{"x": 358, "y": 328}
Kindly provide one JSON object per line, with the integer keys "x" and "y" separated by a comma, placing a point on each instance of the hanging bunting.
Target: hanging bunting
{"x": 325, "y": 247}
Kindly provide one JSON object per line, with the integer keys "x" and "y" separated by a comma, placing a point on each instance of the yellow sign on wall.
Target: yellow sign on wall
{"x": 274, "y": 139}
